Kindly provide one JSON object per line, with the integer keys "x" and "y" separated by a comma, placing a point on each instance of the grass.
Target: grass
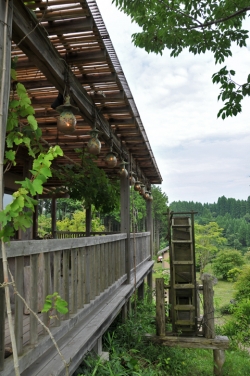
{"x": 130, "y": 355}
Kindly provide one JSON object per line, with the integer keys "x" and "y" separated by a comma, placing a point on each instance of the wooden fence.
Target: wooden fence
{"x": 79, "y": 269}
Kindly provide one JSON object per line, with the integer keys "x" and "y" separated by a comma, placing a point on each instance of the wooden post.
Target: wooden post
{"x": 160, "y": 307}
{"x": 219, "y": 360}
{"x": 88, "y": 221}
{"x": 209, "y": 331}
{"x": 208, "y": 295}
{"x": 150, "y": 286}
{"x": 124, "y": 313}
{"x": 53, "y": 217}
{"x": 125, "y": 221}
{"x": 141, "y": 291}
{"x": 149, "y": 225}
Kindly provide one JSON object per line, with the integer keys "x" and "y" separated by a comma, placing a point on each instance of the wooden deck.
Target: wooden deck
{"x": 95, "y": 295}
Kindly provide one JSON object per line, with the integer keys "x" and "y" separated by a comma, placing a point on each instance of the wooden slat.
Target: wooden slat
{"x": 46, "y": 285}
{"x": 73, "y": 294}
{"x": 57, "y": 280}
{"x": 33, "y": 298}
{"x": 19, "y": 277}
{"x": 80, "y": 272}
{"x": 87, "y": 275}
{"x": 66, "y": 258}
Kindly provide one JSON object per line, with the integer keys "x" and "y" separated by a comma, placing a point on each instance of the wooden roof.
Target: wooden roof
{"x": 52, "y": 37}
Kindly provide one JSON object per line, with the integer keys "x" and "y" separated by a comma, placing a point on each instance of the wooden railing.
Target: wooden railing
{"x": 79, "y": 269}
{"x": 80, "y": 234}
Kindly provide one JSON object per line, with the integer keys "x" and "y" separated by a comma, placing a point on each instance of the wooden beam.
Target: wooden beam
{"x": 84, "y": 79}
{"x": 72, "y": 58}
{"x": 219, "y": 342}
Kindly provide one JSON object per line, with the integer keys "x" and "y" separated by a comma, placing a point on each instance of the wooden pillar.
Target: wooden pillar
{"x": 208, "y": 296}
{"x": 160, "y": 307}
{"x": 209, "y": 330}
{"x": 150, "y": 286}
{"x": 53, "y": 217}
{"x": 88, "y": 221}
{"x": 141, "y": 291}
{"x": 125, "y": 221}
{"x": 149, "y": 225}
{"x": 124, "y": 313}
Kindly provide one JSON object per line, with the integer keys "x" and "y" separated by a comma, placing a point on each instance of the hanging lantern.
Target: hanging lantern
{"x": 137, "y": 186}
{"x": 123, "y": 172}
{"x": 110, "y": 159}
{"x": 142, "y": 190}
{"x": 132, "y": 179}
{"x": 66, "y": 122}
{"x": 146, "y": 195}
{"x": 94, "y": 144}
{"x": 150, "y": 197}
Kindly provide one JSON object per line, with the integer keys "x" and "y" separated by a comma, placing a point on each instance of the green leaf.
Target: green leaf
{"x": 32, "y": 121}
{"x": 10, "y": 155}
{"x": 37, "y": 184}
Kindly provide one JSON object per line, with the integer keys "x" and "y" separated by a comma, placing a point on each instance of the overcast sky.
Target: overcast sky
{"x": 199, "y": 156}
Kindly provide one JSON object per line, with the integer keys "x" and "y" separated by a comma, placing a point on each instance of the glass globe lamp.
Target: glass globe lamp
{"x": 123, "y": 172}
{"x": 110, "y": 159}
{"x": 94, "y": 144}
{"x": 66, "y": 122}
{"x": 137, "y": 186}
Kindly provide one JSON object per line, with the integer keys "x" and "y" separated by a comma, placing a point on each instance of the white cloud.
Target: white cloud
{"x": 199, "y": 156}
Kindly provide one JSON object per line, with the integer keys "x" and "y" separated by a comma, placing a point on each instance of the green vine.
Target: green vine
{"x": 23, "y": 131}
{"x": 89, "y": 183}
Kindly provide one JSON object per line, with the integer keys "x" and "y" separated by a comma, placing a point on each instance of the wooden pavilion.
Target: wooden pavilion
{"x": 62, "y": 43}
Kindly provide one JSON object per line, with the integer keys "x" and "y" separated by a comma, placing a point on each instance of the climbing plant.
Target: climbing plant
{"x": 89, "y": 183}
{"x": 23, "y": 131}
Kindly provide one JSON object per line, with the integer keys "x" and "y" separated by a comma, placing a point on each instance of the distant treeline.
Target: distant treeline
{"x": 236, "y": 208}
{"x": 230, "y": 214}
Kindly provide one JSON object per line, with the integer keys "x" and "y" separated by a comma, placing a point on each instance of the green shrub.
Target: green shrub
{"x": 242, "y": 285}
{"x": 225, "y": 261}
{"x": 233, "y": 274}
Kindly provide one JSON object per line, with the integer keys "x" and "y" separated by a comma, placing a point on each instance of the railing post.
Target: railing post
{"x": 125, "y": 221}
{"x": 160, "y": 307}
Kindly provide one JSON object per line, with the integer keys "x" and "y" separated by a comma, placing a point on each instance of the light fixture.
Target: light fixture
{"x": 123, "y": 172}
{"x": 66, "y": 122}
{"x": 142, "y": 190}
{"x": 146, "y": 195}
{"x": 137, "y": 185}
{"x": 94, "y": 144}
{"x": 150, "y": 197}
{"x": 110, "y": 159}
{"x": 131, "y": 178}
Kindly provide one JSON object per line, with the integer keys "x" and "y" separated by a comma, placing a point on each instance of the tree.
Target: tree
{"x": 199, "y": 26}
{"x": 208, "y": 239}
{"x": 225, "y": 261}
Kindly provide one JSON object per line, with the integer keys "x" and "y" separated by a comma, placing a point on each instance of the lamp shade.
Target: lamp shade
{"x": 110, "y": 159}
{"x": 94, "y": 144}
{"x": 66, "y": 122}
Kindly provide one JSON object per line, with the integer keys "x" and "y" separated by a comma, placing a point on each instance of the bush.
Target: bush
{"x": 225, "y": 261}
{"x": 233, "y": 274}
{"x": 242, "y": 285}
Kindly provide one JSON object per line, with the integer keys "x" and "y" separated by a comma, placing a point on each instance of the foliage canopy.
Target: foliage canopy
{"x": 199, "y": 26}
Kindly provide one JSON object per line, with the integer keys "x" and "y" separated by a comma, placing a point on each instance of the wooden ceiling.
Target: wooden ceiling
{"x": 52, "y": 37}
